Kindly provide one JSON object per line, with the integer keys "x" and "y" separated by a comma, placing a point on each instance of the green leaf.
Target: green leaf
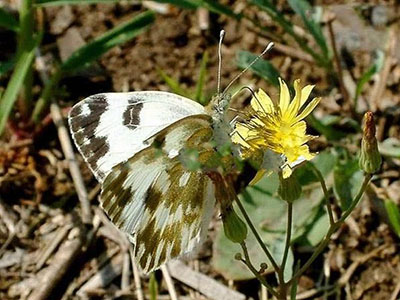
{"x": 375, "y": 68}
{"x": 305, "y": 10}
{"x": 268, "y": 214}
{"x": 318, "y": 230}
{"x": 326, "y": 130}
{"x": 173, "y": 84}
{"x": 153, "y": 286}
{"x": 390, "y": 147}
{"x": 186, "y": 4}
{"x": 324, "y": 162}
{"x": 394, "y": 215}
{"x": 276, "y": 15}
{"x": 116, "y": 36}
{"x": 262, "y": 68}
{"x": 6, "y": 66}
{"x": 199, "y": 96}
{"x": 347, "y": 180}
{"x": 8, "y": 21}
{"x": 22, "y": 67}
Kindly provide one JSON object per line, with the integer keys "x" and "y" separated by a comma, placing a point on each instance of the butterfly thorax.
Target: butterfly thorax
{"x": 217, "y": 109}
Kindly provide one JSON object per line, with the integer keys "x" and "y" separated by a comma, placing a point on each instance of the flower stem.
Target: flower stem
{"x": 287, "y": 243}
{"x": 325, "y": 190}
{"x": 248, "y": 263}
{"x": 332, "y": 229}
{"x": 254, "y": 230}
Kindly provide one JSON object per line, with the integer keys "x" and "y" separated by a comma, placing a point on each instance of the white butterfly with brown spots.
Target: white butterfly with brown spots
{"x": 156, "y": 155}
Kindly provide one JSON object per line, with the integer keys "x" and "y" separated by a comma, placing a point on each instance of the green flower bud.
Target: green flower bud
{"x": 289, "y": 188}
{"x": 370, "y": 158}
{"x": 235, "y": 229}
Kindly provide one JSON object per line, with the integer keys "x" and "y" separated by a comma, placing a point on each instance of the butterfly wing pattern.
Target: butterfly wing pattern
{"x": 164, "y": 208}
{"x": 147, "y": 192}
{"x": 109, "y": 128}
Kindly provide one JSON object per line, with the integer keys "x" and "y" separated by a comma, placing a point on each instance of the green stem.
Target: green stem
{"x": 47, "y": 93}
{"x": 254, "y": 230}
{"x": 25, "y": 42}
{"x": 332, "y": 229}
{"x": 325, "y": 190}
{"x": 248, "y": 263}
{"x": 287, "y": 242}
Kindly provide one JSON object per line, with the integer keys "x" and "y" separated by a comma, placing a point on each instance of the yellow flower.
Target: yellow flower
{"x": 277, "y": 127}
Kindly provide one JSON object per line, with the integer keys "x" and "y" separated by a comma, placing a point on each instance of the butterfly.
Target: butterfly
{"x": 157, "y": 156}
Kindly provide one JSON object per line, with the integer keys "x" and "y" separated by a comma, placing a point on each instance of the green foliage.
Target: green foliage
{"x": 394, "y": 215}
{"x": 304, "y": 10}
{"x": 91, "y": 51}
{"x": 177, "y": 88}
{"x": 390, "y": 147}
{"x": 262, "y": 68}
{"x": 116, "y": 36}
{"x": 268, "y": 214}
{"x": 373, "y": 69}
{"x": 22, "y": 67}
{"x": 153, "y": 286}
{"x": 199, "y": 95}
{"x": 6, "y": 66}
{"x": 8, "y": 21}
{"x": 347, "y": 180}
{"x": 174, "y": 84}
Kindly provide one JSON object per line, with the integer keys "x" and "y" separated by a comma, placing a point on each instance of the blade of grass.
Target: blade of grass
{"x": 116, "y": 36}
{"x": 25, "y": 40}
{"x": 375, "y": 68}
{"x": 199, "y": 96}
{"x": 394, "y": 215}
{"x": 262, "y": 68}
{"x": 8, "y": 21}
{"x": 153, "y": 286}
{"x": 277, "y": 16}
{"x": 304, "y": 10}
{"x": 173, "y": 84}
{"x": 22, "y": 67}
{"x": 91, "y": 51}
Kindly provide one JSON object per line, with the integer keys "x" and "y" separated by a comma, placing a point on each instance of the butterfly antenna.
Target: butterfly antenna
{"x": 269, "y": 46}
{"x": 221, "y": 38}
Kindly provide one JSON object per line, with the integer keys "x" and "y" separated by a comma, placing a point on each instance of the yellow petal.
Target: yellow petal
{"x": 286, "y": 171}
{"x": 305, "y": 93}
{"x": 294, "y": 106}
{"x": 284, "y": 99}
{"x": 260, "y": 174}
{"x": 240, "y": 135}
{"x": 308, "y": 109}
{"x": 262, "y": 103}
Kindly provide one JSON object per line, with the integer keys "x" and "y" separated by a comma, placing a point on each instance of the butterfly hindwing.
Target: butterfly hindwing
{"x": 110, "y": 128}
{"x": 163, "y": 207}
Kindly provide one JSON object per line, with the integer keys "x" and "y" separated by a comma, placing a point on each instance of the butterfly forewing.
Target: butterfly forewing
{"x": 163, "y": 207}
{"x": 110, "y": 128}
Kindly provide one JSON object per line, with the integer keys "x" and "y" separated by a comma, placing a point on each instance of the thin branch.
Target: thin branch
{"x": 254, "y": 230}
{"x": 248, "y": 263}
{"x": 325, "y": 190}
{"x": 338, "y": 63}
{"x": 332, "y": 229}
{"x": 287, "y": 242}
